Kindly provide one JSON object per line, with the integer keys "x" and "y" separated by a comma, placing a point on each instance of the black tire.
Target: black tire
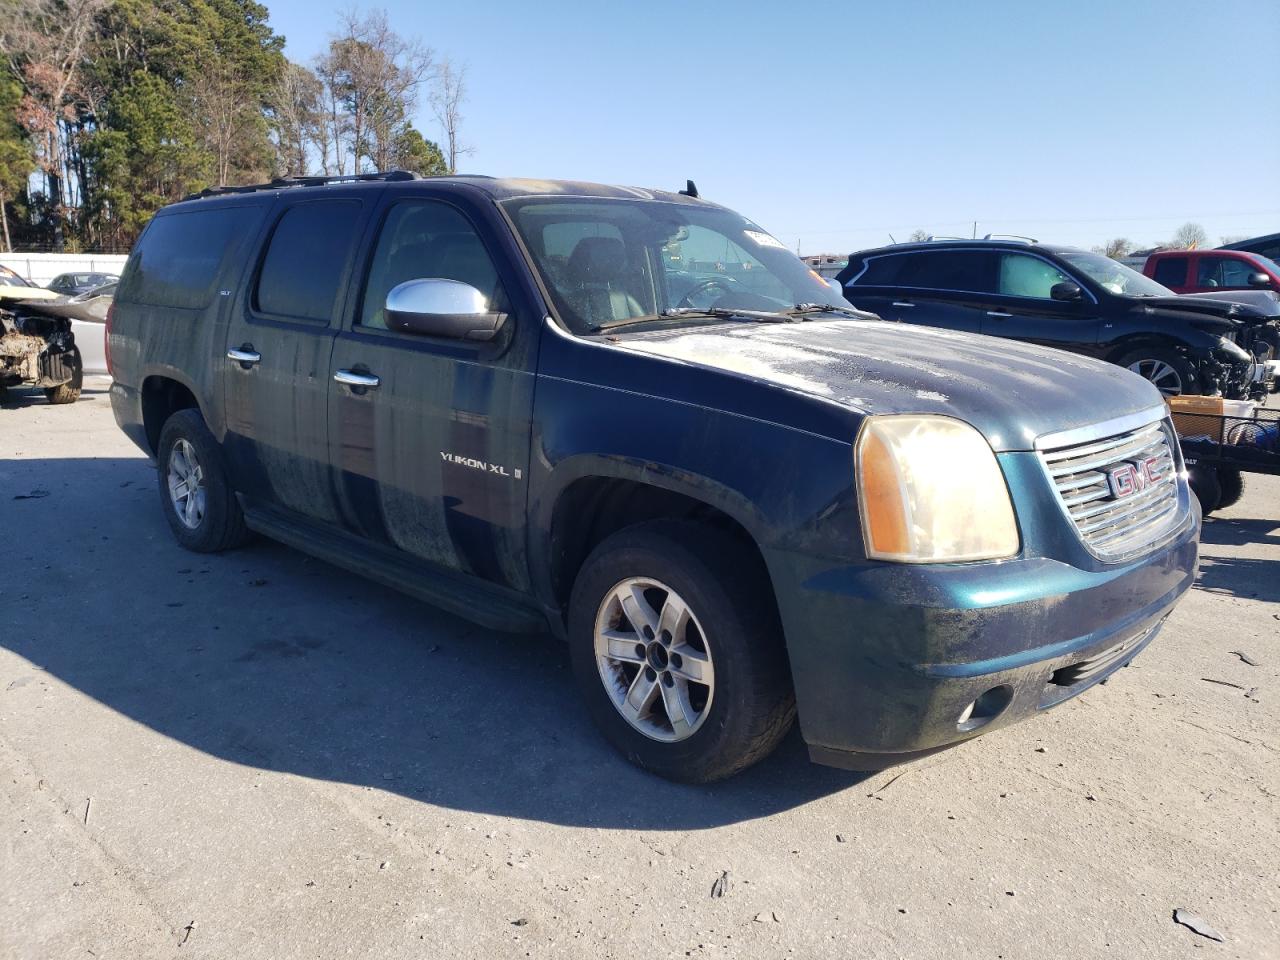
{"x": 752, "y": 706}
{"x": 1205, "y": 485}
{"x": 1149, "y": 359}
{"x": 1231, "y": 487}
{"x": 68, "y": 392}
{"x": 221, "y": 524}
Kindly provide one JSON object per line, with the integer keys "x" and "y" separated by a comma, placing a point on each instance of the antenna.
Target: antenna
{"x": 690, "y": 190}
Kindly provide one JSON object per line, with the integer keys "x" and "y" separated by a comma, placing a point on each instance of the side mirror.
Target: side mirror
{"x": 442, "y": 308}
{"x": 1065, "y": 291}
{"x": 1259, "y": 279}
{"x": 834, "y": 284}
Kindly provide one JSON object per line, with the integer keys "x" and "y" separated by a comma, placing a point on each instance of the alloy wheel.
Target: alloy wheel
{"x": 186, "y": 484}
{"x": 654, "y": 659}
{"x": 1163, "y": 375}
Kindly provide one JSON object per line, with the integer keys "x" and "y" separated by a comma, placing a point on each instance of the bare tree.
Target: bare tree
{"x": 372, "y": 76}
{"x": 447, "y": 96}
{"x": 1116, "y": 249}
{"x": 298, "y": 121}
{"x": 1190, "y": 236}
{"x": 917, "y": 236}
{"x": 45, "y": 45}
{"x": 223, "y": 112}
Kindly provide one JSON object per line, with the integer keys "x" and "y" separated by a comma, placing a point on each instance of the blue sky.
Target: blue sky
{"x": 834, "y": 125}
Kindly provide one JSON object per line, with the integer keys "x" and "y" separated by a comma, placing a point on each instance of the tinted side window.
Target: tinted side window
{"x": 426, "y": 240}
{"x": 1024, "y": 276}
{"x": 306, "y": 259}
{"x": 179, "y": 256}
{"x": 968, "y": 271}
{"x": 1172, "y": 271}
{"x": 882, "y": 271}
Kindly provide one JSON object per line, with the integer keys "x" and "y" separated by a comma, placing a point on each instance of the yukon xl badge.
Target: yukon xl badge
{"x": 482, "y": 465}
{"x": 1134, "y": 476}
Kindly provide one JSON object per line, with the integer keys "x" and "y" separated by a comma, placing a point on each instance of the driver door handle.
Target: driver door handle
{"x": 353, "y": 379}
{"x": 903, "y": 303}
{"x": 998, "y": 313}
{"x": 245, "y": 355}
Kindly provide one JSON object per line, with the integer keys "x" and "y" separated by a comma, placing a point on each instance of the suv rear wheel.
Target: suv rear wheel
{"x": 678, "y": 653}
{"x": 195, "y": 493}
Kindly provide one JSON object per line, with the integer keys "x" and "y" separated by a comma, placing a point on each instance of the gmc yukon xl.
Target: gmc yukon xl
{"x": 634, "y": 418}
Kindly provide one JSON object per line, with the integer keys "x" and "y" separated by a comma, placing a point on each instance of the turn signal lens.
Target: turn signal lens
{"x": 931, "y": 491}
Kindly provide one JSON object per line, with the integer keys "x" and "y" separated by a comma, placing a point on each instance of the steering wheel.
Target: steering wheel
{"x": 724, "y": 283}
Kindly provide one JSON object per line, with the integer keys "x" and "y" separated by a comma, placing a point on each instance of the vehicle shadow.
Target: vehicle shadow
{"x": 1244, "y": 577}
{"x": 1239, "y": 532}
{"x": 267, "y": 658}
{"x": 17, "y": 397}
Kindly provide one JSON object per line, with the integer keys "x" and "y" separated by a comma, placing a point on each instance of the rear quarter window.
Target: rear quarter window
{"x": 180, "y": 256}
{"x": 881, "y": 271}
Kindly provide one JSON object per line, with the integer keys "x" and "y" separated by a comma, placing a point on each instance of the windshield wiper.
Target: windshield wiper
{"x": 802, "y": 308}
{"x": 755, "y": 316}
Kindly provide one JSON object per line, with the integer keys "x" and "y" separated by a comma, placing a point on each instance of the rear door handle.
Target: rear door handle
{"x": 244, "y": 355}
{"x": 902, "y": 303}
{"x": 351, "y": 378}
{"x": 998, "y": 313}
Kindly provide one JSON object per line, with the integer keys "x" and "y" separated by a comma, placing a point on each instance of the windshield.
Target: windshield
{"x": 609, "y": 261}
{"x": 1267, "y": 263}
{"x": 1115, "y": 276}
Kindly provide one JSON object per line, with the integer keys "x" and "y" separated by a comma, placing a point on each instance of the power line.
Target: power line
{"x": 1182, "y": 218}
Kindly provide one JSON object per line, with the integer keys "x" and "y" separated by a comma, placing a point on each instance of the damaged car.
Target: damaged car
{"x": 1070, "y": 299}
{"x": 37, "y": 350}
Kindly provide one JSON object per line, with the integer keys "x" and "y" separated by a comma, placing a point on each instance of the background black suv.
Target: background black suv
{"x": 1061, "y": 297}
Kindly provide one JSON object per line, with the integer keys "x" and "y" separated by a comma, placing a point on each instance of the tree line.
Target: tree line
{"x": 110, "y": 109}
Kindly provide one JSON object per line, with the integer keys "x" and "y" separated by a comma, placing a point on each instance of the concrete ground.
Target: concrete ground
{"x": 256, "y": 755}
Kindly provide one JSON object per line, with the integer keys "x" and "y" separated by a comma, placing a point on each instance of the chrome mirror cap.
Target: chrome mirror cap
{"x": 436, "y": 297}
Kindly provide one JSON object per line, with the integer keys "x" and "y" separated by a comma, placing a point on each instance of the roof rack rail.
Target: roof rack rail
{"x": 282, "y": 182}
{"x": 931, "y": 239}
{"x": 1009, "y": 236}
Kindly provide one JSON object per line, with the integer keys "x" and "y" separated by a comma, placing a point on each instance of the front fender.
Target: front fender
{"x": 791, "y": 490}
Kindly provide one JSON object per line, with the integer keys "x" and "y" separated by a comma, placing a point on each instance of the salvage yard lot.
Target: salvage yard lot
{"x": 256, "y": 755}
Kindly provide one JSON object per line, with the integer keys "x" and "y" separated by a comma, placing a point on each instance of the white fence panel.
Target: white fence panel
{"x": 40, "y": 268}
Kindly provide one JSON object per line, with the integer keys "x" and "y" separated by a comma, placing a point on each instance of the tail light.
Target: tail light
{"x": 106, "y": 337}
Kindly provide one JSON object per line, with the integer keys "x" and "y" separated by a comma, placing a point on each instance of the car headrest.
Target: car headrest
{"x": 597, "y": 260}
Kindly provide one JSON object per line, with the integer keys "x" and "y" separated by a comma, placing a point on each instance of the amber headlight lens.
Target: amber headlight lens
{"x": 930, "y": 491}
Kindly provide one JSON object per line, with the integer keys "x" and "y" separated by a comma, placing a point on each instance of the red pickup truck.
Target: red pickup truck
{"x": 1212, "y": 271}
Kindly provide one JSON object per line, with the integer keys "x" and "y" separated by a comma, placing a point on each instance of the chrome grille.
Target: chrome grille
{"x": 1116, "y": 527}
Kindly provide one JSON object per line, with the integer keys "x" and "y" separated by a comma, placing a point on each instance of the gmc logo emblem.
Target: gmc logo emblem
{"x": 1134, "y": 476}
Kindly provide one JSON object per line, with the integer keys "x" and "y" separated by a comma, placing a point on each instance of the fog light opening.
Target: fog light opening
{"x": 986, "y": 708}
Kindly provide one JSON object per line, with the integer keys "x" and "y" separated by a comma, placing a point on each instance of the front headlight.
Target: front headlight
{"x": 930, "y": 491}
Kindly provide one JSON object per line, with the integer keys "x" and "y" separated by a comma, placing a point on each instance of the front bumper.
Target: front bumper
{"x": 892, "y": 662}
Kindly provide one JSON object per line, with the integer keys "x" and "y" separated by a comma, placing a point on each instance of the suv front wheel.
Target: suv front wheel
{"x": 677, "y": 648}
{"x": 1171, "y": 373}
{"x": 195, "y": 493}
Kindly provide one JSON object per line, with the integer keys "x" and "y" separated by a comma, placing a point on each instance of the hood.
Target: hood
{"x": 1265, "y": 302}
{"x": 89, "y": 310}
{"x": 1207, "y": 307}
{"x": 16, "y": 294}
{"x": 1012, "y": 392}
